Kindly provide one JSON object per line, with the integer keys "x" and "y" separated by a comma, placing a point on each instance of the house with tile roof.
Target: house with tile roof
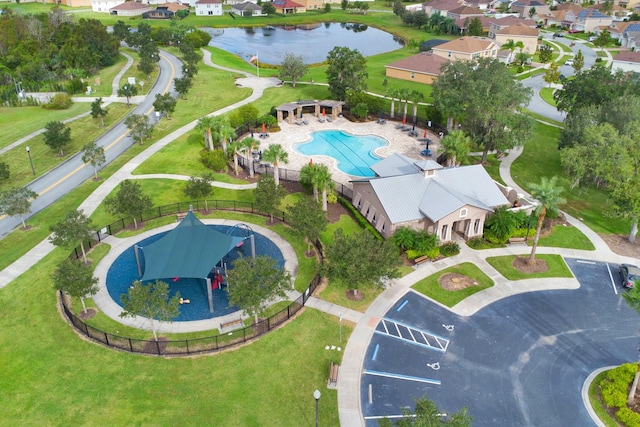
{"x": 480, "y": 4}
{"x": 590, "y": 19}
{"x": 496, "y": 24}
{"x": 441, "y": 6}
{"x": 467, "y": 48}
{"x": 208, "y": 8}
{"x": 422, "y": 68}
{"x": 286, "y": 7}
{"x": 247, "y": 8}
{"x": 523, "y": 7}
{"x": 626, "y": 60}
{"x": 519, "y": 33}
{"x": 464, "y": 12}
{"x": 422, "y": 195}
{"x": 564, "y": 18}
{"x": 130, "y": 8}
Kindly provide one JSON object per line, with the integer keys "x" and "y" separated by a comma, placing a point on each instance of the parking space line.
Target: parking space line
{"x": 402, "y": 377}
{"x": 375, "y": 352}
{"x": 579, "y": 261}
{"x": 613, "y": 283}
{"x": 439, "y": 343}
{"x": 402, "y": 305}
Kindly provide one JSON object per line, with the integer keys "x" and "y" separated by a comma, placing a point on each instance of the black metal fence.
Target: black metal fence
{"x": 191, "y": 346}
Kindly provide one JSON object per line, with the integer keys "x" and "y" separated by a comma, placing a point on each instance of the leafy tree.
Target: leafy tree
{"x": 607, "y": 8}
{"x": 165, "y": 104}
{"x": 604, "y": 39}
{"x": 94, "y": 154}
{"x": 4, "y": 171}
{"x": 182, "y": 86}
{"x": 129, "y": 200}
{"x": 360, "y": 260}
{"x": 268, "y": 196}
{"x": 200, "y": 188}
{"x": 121, "y": 30}
{"x": 346, "y": 71}
{"x": 247, "y": 113}
{"x": 578, "y": 62}
{"x": 257, "y": 282}
{"x": 532, "y": 12}
{"x": 268, "y": 8}
{"x": 57, "y": 136}
{"x": 474, "y": 27}
{"x": 398, "y": 8}
{"x": 76, "y": 279}
{"x": 151, "y": 301}
{"x": 276, "y": 154}
{"x": 361, "y": 111}
{"x": 327, "y": 8}
{"x": 128, "y": 90}
{"x": 307, "y": 220}
{"x": 522, "y": 58}
{"x": 545, "y": 53}
{"x": 552, "y": 75}
{"x": 547, "y": 193}
{"x": 293, "y": 68}
{"x": 17, "y": 201}
{"x": 140, "y": 127}
{"x": 427, "y": 414}
{"x": 74, "y": 228}
{"x": 456, "y": 146}
{"x": 98, "y": 111}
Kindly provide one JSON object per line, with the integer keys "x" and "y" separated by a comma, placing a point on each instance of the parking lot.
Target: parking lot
{"x": 520, "y": 361}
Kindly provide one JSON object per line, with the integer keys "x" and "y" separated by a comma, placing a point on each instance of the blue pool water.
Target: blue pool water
{"x": 354, "y": 154}
{"x": 123, "y": 272}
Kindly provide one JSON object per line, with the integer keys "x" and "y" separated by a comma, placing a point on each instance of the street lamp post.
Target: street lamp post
{"x": 30, "y": 160}
{"x": 316, "y": 395}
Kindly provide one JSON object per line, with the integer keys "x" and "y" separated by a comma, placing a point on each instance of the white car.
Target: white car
{"x": 569, "y": 62}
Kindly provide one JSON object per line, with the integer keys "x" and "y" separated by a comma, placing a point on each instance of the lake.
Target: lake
{"x": 313, "y": 42}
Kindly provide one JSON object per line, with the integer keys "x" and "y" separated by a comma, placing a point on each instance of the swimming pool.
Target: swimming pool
{"x": 354, "y": 154}
{"x": 124, "y": 271}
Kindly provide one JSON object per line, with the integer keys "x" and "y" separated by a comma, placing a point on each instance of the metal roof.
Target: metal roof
{"x": 395, "y": 164}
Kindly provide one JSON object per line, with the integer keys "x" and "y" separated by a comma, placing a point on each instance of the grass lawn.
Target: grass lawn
{"x": 83, "y": 130}
{"x": 337, "y": 294}
{"x": 566, "y": 237}
{"x": 504, "y": 264}
{"x": 546, "y": 93}
{"x": 16, "y": 123}
{"x": 50, "y": 372}
{"x": 430, "y": 287}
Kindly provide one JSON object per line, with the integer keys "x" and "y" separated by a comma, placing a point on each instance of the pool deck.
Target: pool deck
{"x": 399, "y": 141}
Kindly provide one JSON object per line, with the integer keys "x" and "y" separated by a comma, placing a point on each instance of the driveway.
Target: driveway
{"x": 520, "y": 361}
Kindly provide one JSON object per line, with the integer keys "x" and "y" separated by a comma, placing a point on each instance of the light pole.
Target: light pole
{"x": 30, "y": 160}
{"x": 316, "y": 395}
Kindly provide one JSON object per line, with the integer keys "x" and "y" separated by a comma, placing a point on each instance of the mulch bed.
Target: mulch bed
{"x": 455, "y": 282}
{"x": 88, "y": 315}
{"x": 353, "y": 296}
{"x": 152, "y": 347}
{"x": 522, "y": 264}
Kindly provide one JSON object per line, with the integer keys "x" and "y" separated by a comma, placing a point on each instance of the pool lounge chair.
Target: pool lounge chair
{"x": 329, "y": 119}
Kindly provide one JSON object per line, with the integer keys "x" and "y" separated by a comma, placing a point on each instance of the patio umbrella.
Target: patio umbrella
{"x": 404, "y": 120}
{"x": 324, "y": 113}
{"x": 264, "y": 128}
{"x": 425, "y": 134}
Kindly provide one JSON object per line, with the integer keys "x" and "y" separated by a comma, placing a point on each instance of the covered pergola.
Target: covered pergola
{"x": 294, "y": 109}
{"x": 190, "y": 250}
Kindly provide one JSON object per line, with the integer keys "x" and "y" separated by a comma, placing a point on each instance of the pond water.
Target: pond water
{"x": 313, "y": 42}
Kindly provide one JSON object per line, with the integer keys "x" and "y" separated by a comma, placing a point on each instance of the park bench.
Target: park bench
{"x": 517, "y": 240}
{"x": 333, "y": 376}
{"x": 233, "y": 324}
{"x": 421, "y": 259}
{"x": 180, "y": 216}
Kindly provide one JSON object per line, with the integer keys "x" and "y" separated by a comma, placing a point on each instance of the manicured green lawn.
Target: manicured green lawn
{"x": 596, "y": 403}
{"x": 566, "y": 237}
{"x": 430, "y": 287}
{"x": 504, "y": 264}
{"x": 546, "y": 93}
{"x": 83, "y": 130}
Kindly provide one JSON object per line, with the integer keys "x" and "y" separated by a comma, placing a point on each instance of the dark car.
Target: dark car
{"x": 629, "y": 274}
{"x": 558, "y": 35}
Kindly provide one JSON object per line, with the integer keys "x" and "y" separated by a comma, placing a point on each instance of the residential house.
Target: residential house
{"x": 158, "y": 13}
{"x": 75, "y": 3}
{"x": 519, "y": 33}
{"x": 562, "y": 17}
{"x": 422, "y": 68}
{"x": 464, "y": 12}
{"x": 590, "y": 19}
{"x": 208, "y": 7}
{"x": 311, "y": 4}
{"x": 287, "y": 7}
{"x": 462, "y": 23}
{"x": 467, "y": 48}
{"x": 631, "y": 36}
{"x": 425, "y": 196}
{"x": 627, "y": 60}
{"x": 524, "y": 7}
{"x": 247, "y": 9}
{"x": 496, "y": 24}
{"x": 130, "y": 8}
{"x": 103, "y": 6}
{"x": 441, "y": 6}
{"x": 479, "y": 4}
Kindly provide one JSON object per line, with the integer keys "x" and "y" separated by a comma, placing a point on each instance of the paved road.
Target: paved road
{"x": 58, "y": 182}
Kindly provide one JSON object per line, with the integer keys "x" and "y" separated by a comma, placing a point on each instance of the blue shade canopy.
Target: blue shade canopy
{"x": 190, "y": 250}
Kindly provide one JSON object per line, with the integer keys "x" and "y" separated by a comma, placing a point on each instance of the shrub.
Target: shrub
{"x": 359, "y": 218}
{"x": 628, "y": 417}
{"x": 614, "y": 387}
{"x": 60, "y": 101}
{"x": 476, "y": 243}
{"x": 332, "y": 197}
{"x": 75, "y": 86}
{"x": 433, "y": 253}
{"x": 450, "y": 249}
{"x": 216, "y": 159}
{"x": 268, "y": 120}
{"x": 413, "y": 254}
{"x": 360, "y": 111}
{"x": 425, "y": 241}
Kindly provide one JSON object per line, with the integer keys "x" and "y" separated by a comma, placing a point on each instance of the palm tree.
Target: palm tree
{"x": 512, "y": 45}
{"x": 206, "y": 124}
{"x": 276, "y": 154}
{"x": 308, "y": 176}
{"x": 547, "y": 193}
{"x": 247, "y": 145}
{"x": 456, "y": 145}
{"x": 234, "y": 148}
{"x": 393, "y": 94}
{"x": 223, "y": 131}
{"x": 404, "y": 94}
{"x": 324, "y": 181}
{"x": 415, "y": 97}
